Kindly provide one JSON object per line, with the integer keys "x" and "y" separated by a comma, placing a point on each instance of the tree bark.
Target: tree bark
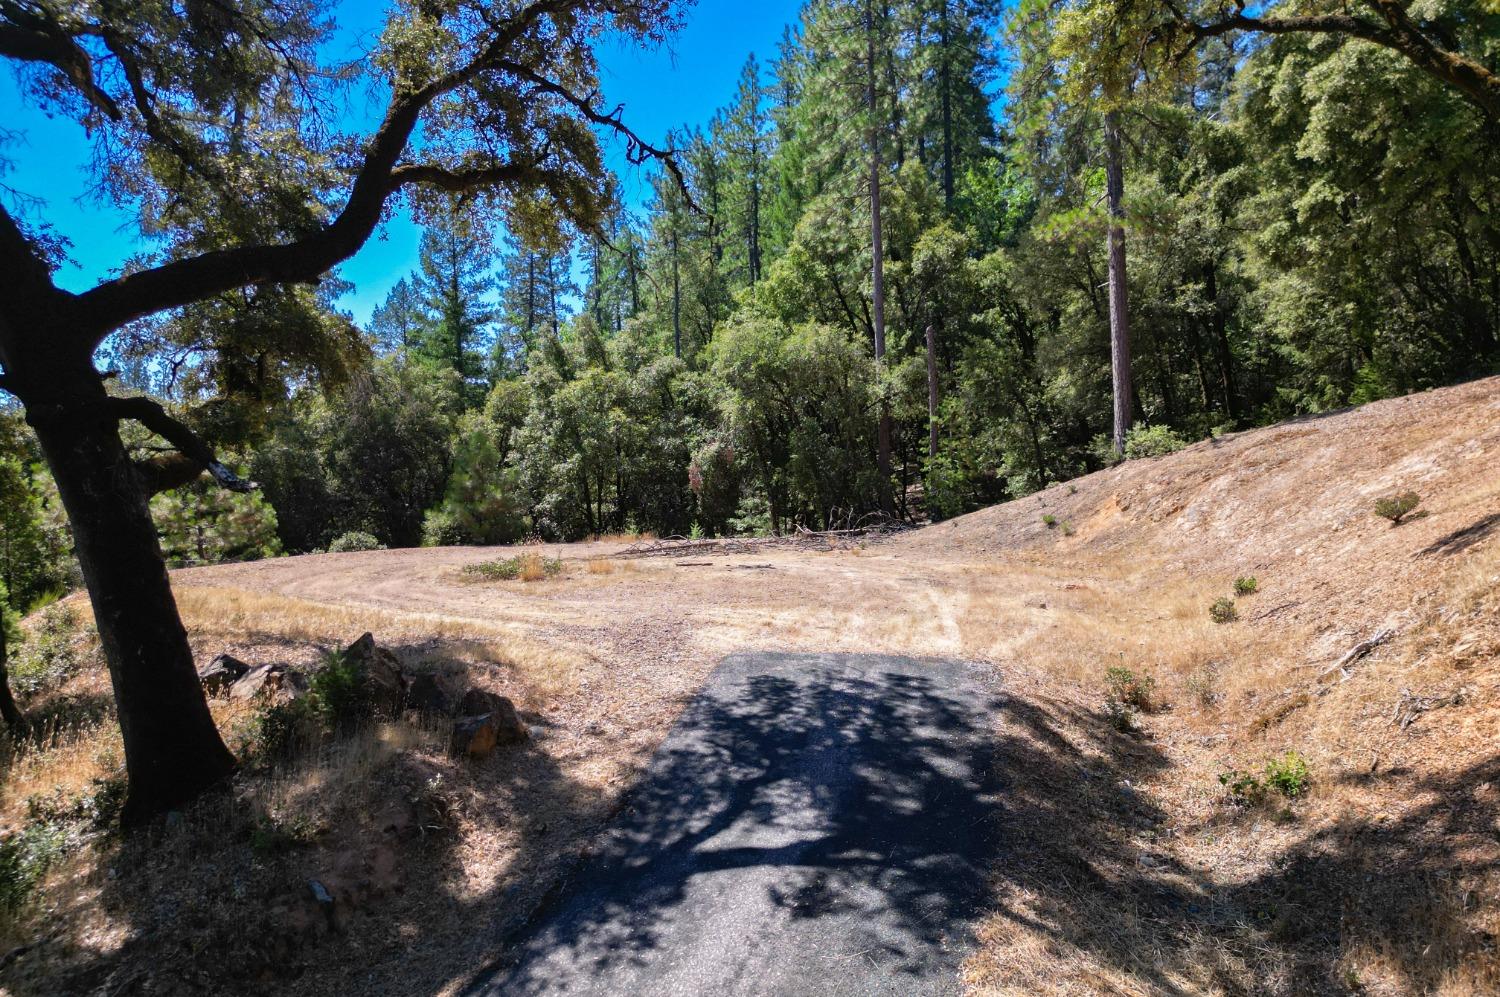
{"x": 1119, "y": 300}
{"x": 676, "y": 301}
{"x": 945, "y": 83}
{"x": 173, "y": 751}
{"x": 877, "y": 266}
{"x": 9, "y": 711}
{"x": 932, "y": 393}
{"x": 1221, "y": 341}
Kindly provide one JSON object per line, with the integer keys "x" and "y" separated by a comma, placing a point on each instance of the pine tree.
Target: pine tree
{"x": 455, "y": 280}
{"x": 746, "y": 137}
{"x": 399, "y": 323}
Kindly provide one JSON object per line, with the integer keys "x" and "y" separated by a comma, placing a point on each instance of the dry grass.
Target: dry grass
{"x": 546, "y": 671}
{"x": 533, "y": 568}
{"x": 1127, "y": 869}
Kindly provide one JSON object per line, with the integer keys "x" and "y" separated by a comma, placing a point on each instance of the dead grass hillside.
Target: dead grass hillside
{"x": 1191, "y": 805}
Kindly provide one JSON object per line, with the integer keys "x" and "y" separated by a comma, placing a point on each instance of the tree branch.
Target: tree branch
{"x": 19, "y": 259}
{"x": 113, "y": 303}
{"x": 193, "y": 458}
{"x": 637, "y": 149}
{"x": 31, "y": 37}
{"x": 1479, "y": 85}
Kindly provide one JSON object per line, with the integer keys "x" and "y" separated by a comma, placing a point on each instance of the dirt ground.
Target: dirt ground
{"x": 1131, "y": 870}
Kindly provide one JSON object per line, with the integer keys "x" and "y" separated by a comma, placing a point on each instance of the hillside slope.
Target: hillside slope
{"x": 1382, "y": 876}
{"x": 1130, "y": 866}
{"x": 1293, "y": 503}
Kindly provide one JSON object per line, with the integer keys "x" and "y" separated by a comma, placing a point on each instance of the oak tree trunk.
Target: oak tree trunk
{"x": 9, "y": 711}
{"x": 173, "y": 751}
{"x": 1119, "y": 302}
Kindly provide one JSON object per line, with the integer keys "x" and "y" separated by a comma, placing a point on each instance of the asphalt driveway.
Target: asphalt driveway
{"x": 814, "y": 824}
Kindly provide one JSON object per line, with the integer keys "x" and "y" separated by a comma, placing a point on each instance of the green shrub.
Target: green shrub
{"x": 340, "y": 691}
{"x": 1397, "y": 507}
{"x": 1049, "y": 520}
{"x": 1246, "y": 585}
{"x": 48, "y": 656}
{"x": 97, "y": 809}
{"x": 1223, "y": 611}
{"x": 1202, "y": 684}
{"x": 25, "y": 857}
{"x": 1119, "y": 716}
{"x": 1125, "y": 686}
{"x": 1066, "y": 528}
{"x": 1287, "y": 775}
{"x": 272, "y": 835}
{"x": 527, "y": 566}
{"x": 1243, "y": 787}
{"x": 1152, "y": 441}
{"x": 354, "y": 540}
{"x": 281, "y": 730}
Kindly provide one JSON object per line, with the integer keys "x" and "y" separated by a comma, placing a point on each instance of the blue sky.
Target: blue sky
{"x": 679, "y": 84}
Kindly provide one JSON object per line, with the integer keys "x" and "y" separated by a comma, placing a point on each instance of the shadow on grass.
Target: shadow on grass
{"x": 1087, "y": 884}
{"x": 870, "y": 809}
{"x": 219, "y": 899}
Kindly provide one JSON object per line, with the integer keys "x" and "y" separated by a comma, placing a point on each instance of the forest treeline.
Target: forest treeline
{"x": 1311, "y": 221}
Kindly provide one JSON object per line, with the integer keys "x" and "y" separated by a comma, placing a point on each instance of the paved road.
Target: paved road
{"x": 815, "y": 824}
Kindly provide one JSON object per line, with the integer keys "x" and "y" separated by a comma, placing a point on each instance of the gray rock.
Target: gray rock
{"x": 269, "y": 680}
{"x": 474, "y": 737}
{"x": 509, "y": 729}
{"x": 425, "y": 694}
{"x": 221, "y": 673}
{"x": 383, "y": 669}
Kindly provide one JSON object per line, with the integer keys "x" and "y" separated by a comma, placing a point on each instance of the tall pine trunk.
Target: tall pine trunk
{"x": 1119, "y": 300}
{"x": 173, "y": 751}
{"x": 945, "y": 83}
{"x": 877, "y": 268}
{"x": 932, "y": 393}
{"x": 676, "y": 301}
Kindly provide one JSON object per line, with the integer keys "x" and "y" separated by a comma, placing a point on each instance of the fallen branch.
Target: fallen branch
{"x": 1410, "y": 706}
{"x": 1364, "y": 647}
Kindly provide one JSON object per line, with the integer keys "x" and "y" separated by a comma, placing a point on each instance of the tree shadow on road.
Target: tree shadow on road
{"x": 853, "y": 791}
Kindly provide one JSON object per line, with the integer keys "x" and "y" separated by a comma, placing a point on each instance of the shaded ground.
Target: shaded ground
{"x": 814, "y": 824}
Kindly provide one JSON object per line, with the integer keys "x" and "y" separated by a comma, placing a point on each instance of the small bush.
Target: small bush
{"x": 1120, "y": 716}
{"x": 97, "y": 809}
{"x": 272, "y": 835}
{"x": 1130, "y": 688}
{"x": 354, "y": 540}
{"x": 49, "y": 655}
{"x": 1066, "y": 528}
{"x": 340, "y": 691}
{"x": 1397, "y": 507}
{"x": 1152, "y": 441}
{"x": 527, "y": 567}
{"x": 1287, "y": 775}
{"x": 1223, "y": 611}
{"x": 1049, "y": 520}
{"x": 25, "y": 857}
{"x": 1246, "y": 585}
{"x": 599, "y": 566}
{"x": 1202, "y": 684}
{"x": 282, "y": 730}
{"x": 1243, "y": 787}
